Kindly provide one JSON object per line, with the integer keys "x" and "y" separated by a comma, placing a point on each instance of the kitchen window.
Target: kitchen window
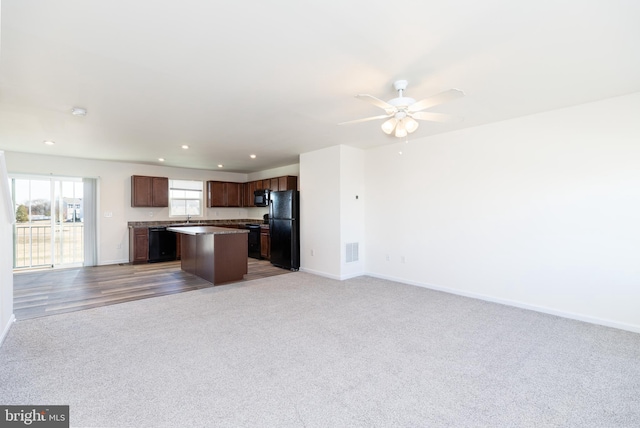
{"x": 185, "y": 198}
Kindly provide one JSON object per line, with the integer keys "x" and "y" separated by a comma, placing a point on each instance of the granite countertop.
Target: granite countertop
{"x": 192, "y": 223}
{"x": 205, "y": 230}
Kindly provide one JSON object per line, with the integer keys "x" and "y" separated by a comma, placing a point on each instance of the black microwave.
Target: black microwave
{"x": 261, "y": 198}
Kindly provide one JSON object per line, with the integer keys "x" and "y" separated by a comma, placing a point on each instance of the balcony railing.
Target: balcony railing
{"x": 32, "y": 244}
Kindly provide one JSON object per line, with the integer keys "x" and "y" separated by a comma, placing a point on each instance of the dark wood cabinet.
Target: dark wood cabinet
{"x": 154, "y": 191}
{"x": 139, "y": 245}
{"x": 288, "y": 182}
{"x": 160, "y": 192}
{"x": 215, "y": 194}
{"x": 224, "y": 194}
{"x": 216, "y": 257}
{"x": 149, "y": 191}
{"x": 249, "y": 188}
{"x": 264, "y": 242}
{"x": 234, "y": 194}
{"x": 273, "y": 186}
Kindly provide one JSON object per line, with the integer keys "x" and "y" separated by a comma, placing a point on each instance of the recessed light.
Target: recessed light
{"x": 252, "y": 156}
{"x": 79, "y": 111}
{"x": 161, "y": 159}
{"x": 184, "y": 146}
{"x": 220, "y": 165}
{"x": 49, "y": 143}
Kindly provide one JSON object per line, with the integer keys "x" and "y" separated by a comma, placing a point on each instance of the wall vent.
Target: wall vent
{"x": 352, "y": 252}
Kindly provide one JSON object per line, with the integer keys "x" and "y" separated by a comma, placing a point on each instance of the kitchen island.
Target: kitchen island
{"x": 215, "y": 254}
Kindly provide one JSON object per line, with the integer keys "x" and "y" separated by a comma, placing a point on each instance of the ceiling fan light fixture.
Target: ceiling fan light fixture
{"x": 401, "y": 131}
{"x": 402, "y": 113}
{"x": 410, "y": 124}
{"x": 389, "y": 125}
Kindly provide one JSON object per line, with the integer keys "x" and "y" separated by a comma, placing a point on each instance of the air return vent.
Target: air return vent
{"x": 352, "y": 252}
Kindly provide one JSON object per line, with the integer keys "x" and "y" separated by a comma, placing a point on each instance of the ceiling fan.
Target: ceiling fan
{"x": 401, "y": 112}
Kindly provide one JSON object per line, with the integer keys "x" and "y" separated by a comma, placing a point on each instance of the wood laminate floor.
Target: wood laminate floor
{"x": 55, "y": 291}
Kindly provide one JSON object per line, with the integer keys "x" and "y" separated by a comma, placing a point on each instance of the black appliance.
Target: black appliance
{"x": 162, "y": 245}
{"x": 284, "y": 229}
{"x": 261, "y": 198}
{"x": 254, "y": 240}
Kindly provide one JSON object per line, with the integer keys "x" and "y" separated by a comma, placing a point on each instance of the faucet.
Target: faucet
{"x": 188, "y": 218}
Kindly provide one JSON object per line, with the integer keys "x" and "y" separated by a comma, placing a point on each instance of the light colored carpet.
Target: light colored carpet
{"x": 304, "y": 351}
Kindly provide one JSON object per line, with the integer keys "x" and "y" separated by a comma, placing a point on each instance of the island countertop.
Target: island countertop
{"x": 205, "y": 230}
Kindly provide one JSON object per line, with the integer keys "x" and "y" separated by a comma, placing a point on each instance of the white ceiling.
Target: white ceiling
{"x": 275, "y": 77}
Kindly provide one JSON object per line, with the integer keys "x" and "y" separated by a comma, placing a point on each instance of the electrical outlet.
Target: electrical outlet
{"x": 313, "y": 252}
{"x": 387, "y": 258}
{"x": 402, "y": 260}
{"x": 119, "y": 247}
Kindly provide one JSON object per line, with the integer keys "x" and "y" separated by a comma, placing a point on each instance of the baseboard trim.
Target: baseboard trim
{"x": 326, "y": 275}
{"x": 564, "y": 314}
{"x": 113, "y": 262}
{"x": 351, "y": 275}
{"x": 5, "y": 330}
{"x": 318, "y": 273}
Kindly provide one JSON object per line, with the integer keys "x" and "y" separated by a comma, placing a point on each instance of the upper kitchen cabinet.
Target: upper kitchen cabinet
{"x": 249, "y": 188}
{"x": 273, "y": 184}
{"x": 288, "y": 182}
{"x": 224, "y": 194}
{"x": 149, "y": 191}
{"x": 234, "y": 194}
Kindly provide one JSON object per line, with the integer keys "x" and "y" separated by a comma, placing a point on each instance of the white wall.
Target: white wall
{"x": 6, "y": 259}
{"x": 6, "y": 254}
{"x": 114, "y": 183}
{"x": 541, "y": 211}
{"x": 352, "y": 197}
{"x": 320, "y": 212}
{"x": 331, "y": 216}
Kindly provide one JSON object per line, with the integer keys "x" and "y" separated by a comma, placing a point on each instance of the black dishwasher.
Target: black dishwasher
{"x": 254, "y": 240}
{"x": 162, "y": 245}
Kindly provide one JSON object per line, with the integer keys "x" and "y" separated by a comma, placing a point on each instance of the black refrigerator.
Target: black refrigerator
{"x": 284, "y": 229}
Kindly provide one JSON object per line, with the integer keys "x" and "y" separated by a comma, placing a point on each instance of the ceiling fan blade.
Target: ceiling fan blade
{"x": 377, "y": 102}
{"x": 440, "y": 98}
{"x": 435, "y": 117}
{"x": 367, "y": 119}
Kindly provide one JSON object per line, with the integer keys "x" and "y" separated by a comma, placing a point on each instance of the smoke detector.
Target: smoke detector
{"x": 79, "y": 111}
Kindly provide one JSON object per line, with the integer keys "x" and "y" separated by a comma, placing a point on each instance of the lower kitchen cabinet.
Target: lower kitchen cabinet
{"x": 264, "y": 243}
{"x": 139, "y": 245}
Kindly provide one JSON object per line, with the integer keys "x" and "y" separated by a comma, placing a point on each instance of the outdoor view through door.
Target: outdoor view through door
{"x": 49, "y": 227}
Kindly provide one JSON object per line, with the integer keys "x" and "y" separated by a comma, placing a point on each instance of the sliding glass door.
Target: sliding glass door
{"x": 49, "y": 228}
